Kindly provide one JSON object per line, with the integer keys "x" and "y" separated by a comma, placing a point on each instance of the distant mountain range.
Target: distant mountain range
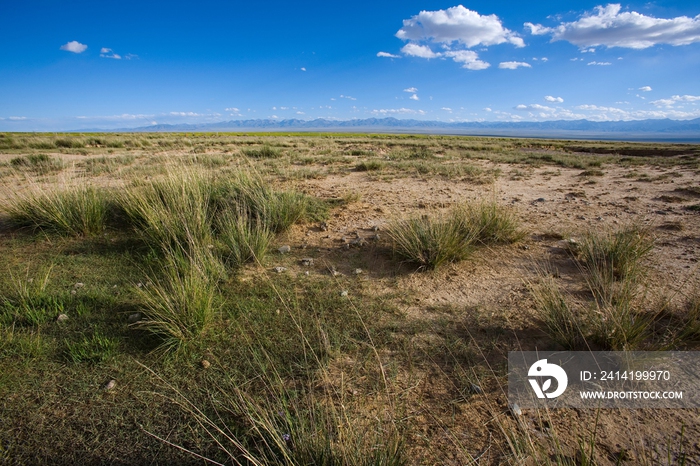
{"x": 639, "y": 129}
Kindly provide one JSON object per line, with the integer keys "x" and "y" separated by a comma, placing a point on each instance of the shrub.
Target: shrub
{"x": 41, "y": 164}
{"x": 492, "y": 223}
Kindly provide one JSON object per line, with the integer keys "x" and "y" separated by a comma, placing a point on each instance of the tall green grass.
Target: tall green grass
{"x": 79, "y": 211}
{"x": 180, "y": 302}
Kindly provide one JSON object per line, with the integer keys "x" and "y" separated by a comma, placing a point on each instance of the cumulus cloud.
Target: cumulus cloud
{"x": 550, "y": 98}
{"x": 74, "y": 46}
{"x": 453, "y": 31}
{"x": 645, "y": 89}
{"x": 468, "y": 59}
{"x": 411, "y": 90}
{"x": 447, "y": 109}
{"x": 387, "y": 55}
{"x": 610, "y": 27}
{"x": 421, "y": 51}
{"x": 414, "y": 97}
{"x": 457, "y": 24}
{"x": 511, "y": 65}
{"x": 233, "y": 109}
{"x": 303, "y": 69}
{"x": 347, "y": 97}
{"x": 674, "y": 100}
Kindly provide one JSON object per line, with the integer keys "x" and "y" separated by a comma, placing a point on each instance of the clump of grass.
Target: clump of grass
{"x": 451, "y": 237}
{"x": 29, "y": 303}
{"x": 246, "y": 238}
{"x": 610, "y": 256}
{"x": 69, "y": 143}
{"x": 276, "y": 210}
{"x": 265, "y": 152}
{"x": 431, "y": 242}
{"x": 369, "y": 165}
{"x": 610, "y": 262}
{"x": 180, "y": 304}
{"x": 41, "y": 164}
{"x": 96, "y": 349}
{"x": 173, "y": 212}
{"x": 492, "y": 223}
{"x": 564, "y": 324}
{"x": 79, "y": 211}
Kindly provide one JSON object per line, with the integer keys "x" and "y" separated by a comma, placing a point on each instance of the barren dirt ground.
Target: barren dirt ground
{"x": 486, "y": 299}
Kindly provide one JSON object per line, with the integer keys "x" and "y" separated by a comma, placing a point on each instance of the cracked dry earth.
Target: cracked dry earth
{"x": 481, "y": 308}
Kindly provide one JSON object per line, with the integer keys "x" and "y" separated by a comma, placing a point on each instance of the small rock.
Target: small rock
{"x": 323, "y": 226}
{"x": 476, "y": 389}
{"x": 581, "y": 217}
{"x": 524, "y": 247}
{"x": 344, "y": 293}
{"x": 280, "y": 269}
{"x": 62, "y": 318}
{"x": 344, "y": 239}
{"x": 306, "y": 273}
{"x": 110, "y": 385}
{"x": 515, "y": 409}
{"x": 135, "y": 317}
{"x": 73, "y": 292}
{"x": 375, "y": 228}
{"x": 359, "y": 242}
{"x": 285, "y": 249}
{"x": 307, "y": 261}
{"x": 358, "y": 271}
{"x": 78, "y": 285}
{"x": 205, "y": 364}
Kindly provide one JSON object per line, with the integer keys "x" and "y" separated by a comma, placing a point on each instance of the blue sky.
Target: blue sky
{"x": 96, "y": 64}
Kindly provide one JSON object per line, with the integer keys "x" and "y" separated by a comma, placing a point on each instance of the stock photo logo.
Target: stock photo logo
{"x": 540, "y": 376}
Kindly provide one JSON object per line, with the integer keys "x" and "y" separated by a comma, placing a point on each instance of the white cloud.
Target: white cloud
{"x": 130, "y": 56}
{"x": 511, "y": 65}
{"x": 598, "y": 63}
{"x": 16, "y": 118}
{"x": 447, "y": 109}
{"x": 421, "y": 51}
{"x": 186, "y": 114}
{"x": 544, "y": 59}
{"x": 74, "y": 46}
{"x": 674, "y": 100}
{"x": 469, "y": 59}
{"x": 610, "y": 27}
{"x": 487, "y": 109}
{"x": 414, "y": 97}
{"x": 411, "y": 90}
{"x": 387, "y": 55}
{"x": 233, "y": 109}
{"x": 301, "y": 113}
{"x": 346, "y": 97}
{"x": 394, "y": 111}
{"x": 303, "y": 69}
{"x": 550, "y": 98}
{"x": 645, "y": 89}
{"x": 537, "y": 107}
{"x": 109, "y": 53}
{"x": 457, "y": 24}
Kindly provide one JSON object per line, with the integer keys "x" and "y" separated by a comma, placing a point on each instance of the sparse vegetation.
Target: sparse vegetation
{"x": 151, "y": 261}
